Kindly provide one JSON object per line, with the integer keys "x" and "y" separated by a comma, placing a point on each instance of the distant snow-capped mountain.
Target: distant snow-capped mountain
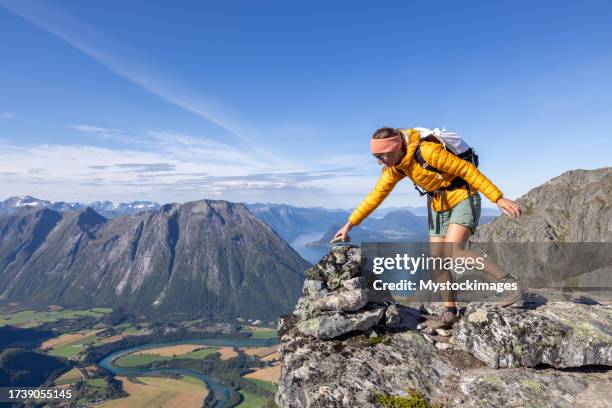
{"x": 12, "y": 204}
{"x": 106, "y": 208}
{"x": 112, "y": 210}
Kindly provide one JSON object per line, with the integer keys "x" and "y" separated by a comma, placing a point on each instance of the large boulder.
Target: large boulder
{"x": 558, "y": 334}
{"x": 332, "y": 325}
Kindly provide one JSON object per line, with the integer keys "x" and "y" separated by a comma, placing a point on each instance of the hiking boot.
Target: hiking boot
{"x": 444, "y": 320}
{"x": 514, "y": 296}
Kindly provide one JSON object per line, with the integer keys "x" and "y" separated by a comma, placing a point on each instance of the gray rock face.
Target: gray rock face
{"x": 348, "y": 301}
{"x": 334, "y": 324}
{"x": 559, "y": 334}
{"x": 353, "y": 372}
{"x": 563, "y": 238}
{"x": 494, "y": 357}
{"x": 336, "y": 358}
{"x": 573, "y": 207}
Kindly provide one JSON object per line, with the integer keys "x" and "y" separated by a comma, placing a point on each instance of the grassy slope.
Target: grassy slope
{"x": 69, "y": 377}
{"x": 266, "y": 385}
{"x": 251, "y": 400}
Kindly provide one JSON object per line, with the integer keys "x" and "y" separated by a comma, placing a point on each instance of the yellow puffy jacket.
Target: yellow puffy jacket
{"x": 449, "y": 165}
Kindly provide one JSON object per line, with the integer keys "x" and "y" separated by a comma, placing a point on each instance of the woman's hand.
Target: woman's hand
{"x": 342, "y": 233}
{"x": 509, "y": 207}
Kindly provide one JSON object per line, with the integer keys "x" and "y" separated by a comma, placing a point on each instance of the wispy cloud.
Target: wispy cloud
{"x": 95, "y": 129}
{"x": 164, "y": 165}
{"x": 130, "y": 64}
{"x": 176, "y": 169}
{"x": 147, "y": 167}
{"x": 6, "y": 115}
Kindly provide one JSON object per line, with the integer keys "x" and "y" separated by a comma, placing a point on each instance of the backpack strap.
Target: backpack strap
{"x": 429, "y": 214}
{"x": 418, "y": 156}
{"x": 471, "y": 199}
{"x": 457, "y": 182}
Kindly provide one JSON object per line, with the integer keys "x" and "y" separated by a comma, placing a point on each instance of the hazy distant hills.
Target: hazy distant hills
{"x": 202, "y": 257}
{"x": 307, "y": 230}
{"x": 385, "y": 224}
{"x": 395, "y": 224}
{"x": 290, "y": 221}
{"x": 287, "y": 220}
{"x": 422, "y": 211}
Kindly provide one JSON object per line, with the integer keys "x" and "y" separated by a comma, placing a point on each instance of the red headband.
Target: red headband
{"x": 386, "y": 145}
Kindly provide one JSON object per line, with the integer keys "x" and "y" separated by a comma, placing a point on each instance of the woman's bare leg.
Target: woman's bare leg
{"x": 436, "y": 249}
{"x": 458, "y": 236}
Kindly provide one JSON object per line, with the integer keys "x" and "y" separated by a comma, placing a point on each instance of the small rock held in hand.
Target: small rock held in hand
{"x": 339, "y": 239}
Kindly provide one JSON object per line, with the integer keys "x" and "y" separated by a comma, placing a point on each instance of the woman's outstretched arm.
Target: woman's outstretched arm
{"x": 438, "y": 157}
{"x": 387, "y": 181}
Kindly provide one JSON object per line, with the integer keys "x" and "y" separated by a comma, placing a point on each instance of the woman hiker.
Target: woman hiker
{"x": 453, "y": 187}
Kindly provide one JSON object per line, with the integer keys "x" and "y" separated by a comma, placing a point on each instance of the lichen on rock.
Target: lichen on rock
{"x": 345, "y": 346}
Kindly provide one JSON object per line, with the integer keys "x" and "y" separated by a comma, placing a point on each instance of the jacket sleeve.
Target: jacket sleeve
{"x": 437, "y": 156}
{"x": 388, "y": 179}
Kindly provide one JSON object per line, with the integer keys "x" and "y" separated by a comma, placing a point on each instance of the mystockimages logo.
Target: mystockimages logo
{"x": 432, "y": 286}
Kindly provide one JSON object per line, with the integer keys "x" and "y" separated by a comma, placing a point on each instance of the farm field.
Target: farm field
{"x": 33, "y": 318}
{"x": 171, "y": 350}
{"x": 260, "y": 332}
{"x": 187, "y": 392}
{"x": 73, "y": 348}
{"x": 65, "y": 339}
{"x": 270, "y": 374}
{"x": 260, "y": 351}
{"x": 183, "y": 351}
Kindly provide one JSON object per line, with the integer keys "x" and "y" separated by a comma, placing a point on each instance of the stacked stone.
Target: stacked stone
{"x": 338, "y": 298}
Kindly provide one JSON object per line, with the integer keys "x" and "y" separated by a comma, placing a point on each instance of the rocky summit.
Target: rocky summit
{"x": 346, "y": 345}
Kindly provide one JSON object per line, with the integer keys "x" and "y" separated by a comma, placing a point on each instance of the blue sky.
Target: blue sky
{"x": 276, "y": 101}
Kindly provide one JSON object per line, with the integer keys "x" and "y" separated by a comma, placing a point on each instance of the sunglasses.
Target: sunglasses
{"x": 381, "y": 156}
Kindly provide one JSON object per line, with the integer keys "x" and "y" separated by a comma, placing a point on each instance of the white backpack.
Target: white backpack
{"x": 450, "y": 140}
{"x": 454, "y": 144}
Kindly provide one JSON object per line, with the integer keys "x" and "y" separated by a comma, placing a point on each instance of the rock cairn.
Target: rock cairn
{"x": 338, "y": 299}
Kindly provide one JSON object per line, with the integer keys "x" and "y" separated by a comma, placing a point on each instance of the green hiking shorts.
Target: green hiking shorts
{"x": 460, "y": 214}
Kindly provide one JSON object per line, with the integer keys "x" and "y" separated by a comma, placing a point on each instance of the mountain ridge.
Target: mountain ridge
{"x": 207, "y": 256}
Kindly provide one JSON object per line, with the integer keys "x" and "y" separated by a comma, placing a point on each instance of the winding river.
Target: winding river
{"x": 221, "y": 391}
